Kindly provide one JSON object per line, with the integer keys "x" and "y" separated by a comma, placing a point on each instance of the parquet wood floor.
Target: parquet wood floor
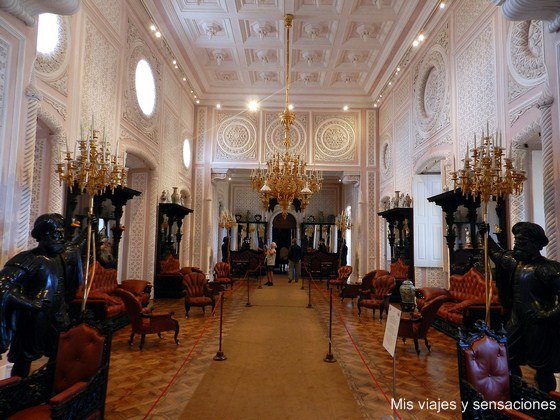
{"x": 158, "y": 381}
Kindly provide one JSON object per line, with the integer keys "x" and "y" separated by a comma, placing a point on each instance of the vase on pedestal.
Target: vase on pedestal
{"x": 408, "y": 295}
{"x": 175, "y": 198}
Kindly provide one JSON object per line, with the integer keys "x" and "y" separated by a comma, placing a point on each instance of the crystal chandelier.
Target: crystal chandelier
{"x": 285, "y": 177}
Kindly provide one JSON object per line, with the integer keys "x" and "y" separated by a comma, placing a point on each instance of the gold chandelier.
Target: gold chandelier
{"x": 285, "y": 177}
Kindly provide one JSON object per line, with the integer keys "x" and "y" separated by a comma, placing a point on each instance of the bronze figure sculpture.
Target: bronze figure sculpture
{"x": 529, "y": 290}
{"x": 35, "y": 289}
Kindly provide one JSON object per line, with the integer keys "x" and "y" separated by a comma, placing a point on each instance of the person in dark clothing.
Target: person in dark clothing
{"x": 35, "y": 289}
{"x": 343, "y": 254}
{"x": 294, "y": 261}
{"x": 225, "y": 249}
{"x": 529, "y": 290}
{"x": 322, "y": 247}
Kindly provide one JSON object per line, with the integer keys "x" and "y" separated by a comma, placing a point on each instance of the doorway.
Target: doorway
{"x": 283, "y": 230}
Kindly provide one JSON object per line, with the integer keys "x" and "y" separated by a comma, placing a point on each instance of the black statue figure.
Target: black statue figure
{"x": 35, "y": 289}
{"x": 225, "y": 249}
{"x": 529, "y": 290}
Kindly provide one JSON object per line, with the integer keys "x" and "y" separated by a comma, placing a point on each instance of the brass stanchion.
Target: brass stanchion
{"x": 220, "y": 354}
{"x": 329, "y": 358}
{"x": 309, "y": 305}
{"x": 248, "y": 304}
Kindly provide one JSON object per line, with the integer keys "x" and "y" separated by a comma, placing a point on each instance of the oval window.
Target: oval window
{"x": 187, "y": 153}
{"x": 48, "y": 33}
{"x": 145, "y": 87}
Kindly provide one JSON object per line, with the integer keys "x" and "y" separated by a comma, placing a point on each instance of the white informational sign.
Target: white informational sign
{"x": 392, "y": 330}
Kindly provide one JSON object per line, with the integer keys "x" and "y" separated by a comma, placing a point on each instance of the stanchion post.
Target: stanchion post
{"x": 329, "y": 358}
{"x": 220, "y": 354}
{"x": 248, "y": 300}
{"x": 309, "y": 305}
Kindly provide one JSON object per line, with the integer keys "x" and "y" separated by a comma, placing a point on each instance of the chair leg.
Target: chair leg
{"x": 427, "y": 344}
{"x": 142, "y": 340}
{"x": 381, "y": 308}
{"x": 159, "y": 335}
{"x": 175, "y": 337}
{"x": 359, "y": 309}
{"x": 187, "y": 309}
{"x": 131, "y": 339}
{"x": 416, "y": 346}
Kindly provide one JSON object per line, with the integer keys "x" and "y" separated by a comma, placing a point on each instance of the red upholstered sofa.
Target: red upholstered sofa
{"x": 169, "y": 278}
{"x": 103, "y": 300}
{"x": 465, "y": 302}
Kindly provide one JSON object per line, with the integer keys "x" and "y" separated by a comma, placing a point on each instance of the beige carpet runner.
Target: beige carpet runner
{"x": 274, "y": 367}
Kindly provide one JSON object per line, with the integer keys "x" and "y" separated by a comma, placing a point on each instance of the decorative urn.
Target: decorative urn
{"x": 408, "y": 294}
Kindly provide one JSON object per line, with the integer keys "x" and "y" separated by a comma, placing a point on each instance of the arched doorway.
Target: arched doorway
{"x": 283, "y": 230}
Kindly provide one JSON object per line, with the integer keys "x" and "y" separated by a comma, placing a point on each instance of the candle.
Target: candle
{"x": 454, "y": 169}
{"x": 509, "y": 151}
{"x": 487, "y": 129}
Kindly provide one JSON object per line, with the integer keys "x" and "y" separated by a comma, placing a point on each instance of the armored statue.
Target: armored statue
{"x": 35, "y": 289}
{"x": 529, "y": 290}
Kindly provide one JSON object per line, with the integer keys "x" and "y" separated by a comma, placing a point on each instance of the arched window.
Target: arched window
{"x": 145, "y": 87}
{"x": 48, "y": 33}
{"x": 187, "y": 155}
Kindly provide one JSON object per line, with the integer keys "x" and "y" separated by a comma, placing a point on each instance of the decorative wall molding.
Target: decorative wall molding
{"x": 372, "y": 217}
{"x": 138, "y": 49}
{"x": 111, "y": 10}
{"x": 201, "y": 127}
{"x": 466, "y": 15}
{"x": 59, "y": 107}
{"x": 236, "y": 137}
{"x": 402, "y": 152}
{"x": 28, "y": 10}
{"x": 517, "y": 113}
{"x": 386, "y": 156}
{"x": 136, "y": 214}
{"x": 335, "y": 138}
{"x": 371, "y": 135}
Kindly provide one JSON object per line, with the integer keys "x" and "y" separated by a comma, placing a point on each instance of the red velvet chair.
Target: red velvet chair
{"x": 417, "y": 325}
{"x": 197, "y": 292}
{"x": 378, "y": 299}
{"x": 485, "y": 381}
{"x": 141, "y": 289}
{"x": 344, "y": 273}
{"x": 144, "y": 321}
{"x": 222, "y": 274}
{"x": 72, "y": 386}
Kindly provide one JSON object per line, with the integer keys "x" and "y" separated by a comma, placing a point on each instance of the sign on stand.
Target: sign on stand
{"x": 392, "y": 330}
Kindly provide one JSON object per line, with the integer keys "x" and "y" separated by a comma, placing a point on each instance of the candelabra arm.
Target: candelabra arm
{"x": 90, "y": 248}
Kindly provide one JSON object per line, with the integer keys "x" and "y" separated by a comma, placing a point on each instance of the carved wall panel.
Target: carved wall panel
{"x": 335, "y": 138}
{"x": 100, "y": 82}
{"x": 431, "y": 91}
{"x": 386, "y": 156}
{"x": 402, "y": 153}
{"x": 467, "y": 14}
{"x": 198, "y": 219}
{"x": 371, "y": 148}
{"x": 476, "y": 88}
{"x": 201, "y": 127}
{"x": 111, "y": 10}
{"x": 136, "y": 209}
{"x": 38, "y": 186}
{"x": 274, "y": 135}
{"x": 52, "y": 68}
{"x": 525, "y": 57}
{"x": 4, "y": 54}
{"x": 386, "y": 113}
{"x": 325, "y": 201}
{"x": 245, "y": 199}
{"x": 171, "y": 151}
{"x": 402, "y": 92}
{"x": 236, "y": 137}
{"x": 171, "y": 90}
{"x": 138, "y": 49}
{"x": 371, "y": 219}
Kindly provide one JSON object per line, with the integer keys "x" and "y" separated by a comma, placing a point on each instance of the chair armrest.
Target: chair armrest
{"x": 136, "y": 287}
{"x": 430, "y": 293}
{"x": 68, "y": 393}
{"x": 10, "y": 381}
{"x": 159, "y": 314}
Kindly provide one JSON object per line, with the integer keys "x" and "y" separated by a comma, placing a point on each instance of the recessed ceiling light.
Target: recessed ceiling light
{"x": 345, "y": 108}
{"x": 375, "y": 105}
{"x": 442, "y": 5}
{"x": 184, "y": 79}
{"x": 218, "y": 106}
{"x": 291, "y": 107}
{"x": 421, "y": 37}
{"x": 158, "y": 34}
{"x": 253, "y": 105}
{"x": 197, "y": 101}
{"x": 153, "y": 28}
{"x": 174, "y": 61}
{"x": 415, "y": 43}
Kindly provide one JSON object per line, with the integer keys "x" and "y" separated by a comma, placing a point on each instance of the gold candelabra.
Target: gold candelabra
{"x": 343, "y": 222}
{"x": 285, "y": 177}
{"x": 92, "y": 170}
{"x": 488, "y": 173}
{"x": 226, "y": 220}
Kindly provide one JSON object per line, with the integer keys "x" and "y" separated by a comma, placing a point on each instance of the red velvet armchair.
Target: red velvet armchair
{"x": 487, "y": 388}
{"x": 378, "y": 299}
{"x": 145, "y": 321}
{"x": 141, "y": 289}
{"x": 417, "y": 325}
{"x": 222, "y": 274}
{"x": 72, "y": 386}
{"x": 344, "y": 273}
{"x": 197, "y": 292}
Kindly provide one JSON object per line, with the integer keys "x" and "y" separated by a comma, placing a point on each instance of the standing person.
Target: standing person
{"x": 35, "y": 289}
{"x": 270, "y": 260}
{"x": 343, "y": 253}
{"x": 294, "y": 261}
{"x": 529, "y": 290}
{"x": 225, "y": 249}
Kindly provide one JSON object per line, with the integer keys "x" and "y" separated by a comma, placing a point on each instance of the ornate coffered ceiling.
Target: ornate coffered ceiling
{"x": 342, "y": 50}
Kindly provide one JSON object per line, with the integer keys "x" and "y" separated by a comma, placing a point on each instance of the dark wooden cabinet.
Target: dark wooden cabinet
{"x": 251, "y": 234}
{"x": 108, "y": 207}
{"x": 462, "y": 216}
{"x": 400, "y": 226}
{"x": 313, "y": 233}
{"x": 167, "y": 280}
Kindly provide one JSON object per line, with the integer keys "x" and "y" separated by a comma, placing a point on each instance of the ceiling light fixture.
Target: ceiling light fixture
{"x": 286, "y": 178}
